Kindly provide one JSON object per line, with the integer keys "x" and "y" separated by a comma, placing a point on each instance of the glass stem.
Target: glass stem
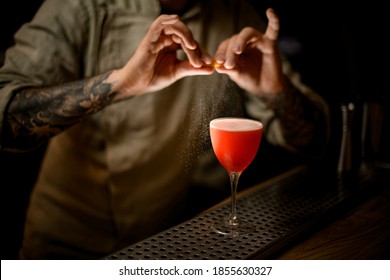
{"x": 234, "y": 176}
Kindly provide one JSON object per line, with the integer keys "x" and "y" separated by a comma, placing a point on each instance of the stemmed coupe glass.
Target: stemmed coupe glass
{"x": 235, "y": 143}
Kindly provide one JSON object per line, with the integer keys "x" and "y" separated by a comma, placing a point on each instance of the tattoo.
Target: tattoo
{"x": 36, "y": 114}
{"x": 304, "y": 126}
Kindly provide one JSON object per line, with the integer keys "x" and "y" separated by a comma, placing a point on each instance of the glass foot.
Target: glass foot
{"x": 236, "y": 229}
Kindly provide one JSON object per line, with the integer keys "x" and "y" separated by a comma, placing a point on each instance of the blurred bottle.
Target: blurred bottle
{"x": 350, "y": 155}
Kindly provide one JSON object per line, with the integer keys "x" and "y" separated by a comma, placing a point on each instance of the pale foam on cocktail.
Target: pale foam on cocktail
{"x": 235, "y": 124}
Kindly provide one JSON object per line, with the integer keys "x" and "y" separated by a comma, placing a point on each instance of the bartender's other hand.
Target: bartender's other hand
{"x": 251, "y": 59}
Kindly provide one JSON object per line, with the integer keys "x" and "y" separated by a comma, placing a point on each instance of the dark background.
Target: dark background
{"x": 339, "y": 49}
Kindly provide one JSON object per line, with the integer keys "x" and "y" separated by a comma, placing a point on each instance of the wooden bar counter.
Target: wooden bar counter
{"x": 362, "y": 232}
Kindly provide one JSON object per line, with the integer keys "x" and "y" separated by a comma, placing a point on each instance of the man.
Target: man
{"x": 128, "y": 93}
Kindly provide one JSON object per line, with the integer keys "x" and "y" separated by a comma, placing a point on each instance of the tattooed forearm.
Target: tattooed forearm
{"x": 36, "y": 114}
{"x": 303, "y": 123}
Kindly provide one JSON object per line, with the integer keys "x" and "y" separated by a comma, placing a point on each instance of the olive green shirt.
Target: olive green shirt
{"x": 123, "y": 173}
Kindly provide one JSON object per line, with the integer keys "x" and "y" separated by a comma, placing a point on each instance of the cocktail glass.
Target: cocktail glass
{"x": 235, "y": 143}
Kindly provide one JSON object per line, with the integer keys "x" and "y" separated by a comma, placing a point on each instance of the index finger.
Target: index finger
{"x": 273, "y": 27}
{"x": 159, "y": 24}
{"x": 180, "y": 30}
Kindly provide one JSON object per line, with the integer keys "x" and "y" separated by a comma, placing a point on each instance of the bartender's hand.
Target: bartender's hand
{"x": 251, "y": 59}
{"x": 154, "y": 65}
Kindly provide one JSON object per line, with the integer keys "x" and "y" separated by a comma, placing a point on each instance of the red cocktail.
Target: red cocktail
{"x": 235, "y": 142}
